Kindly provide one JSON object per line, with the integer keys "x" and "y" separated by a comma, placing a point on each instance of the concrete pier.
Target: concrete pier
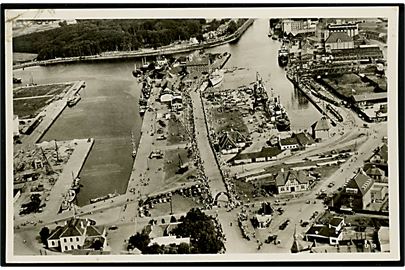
{"x": 51, "y": 112}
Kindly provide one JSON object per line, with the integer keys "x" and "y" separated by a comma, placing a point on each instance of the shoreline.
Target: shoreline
{"x": 141, "y": 53}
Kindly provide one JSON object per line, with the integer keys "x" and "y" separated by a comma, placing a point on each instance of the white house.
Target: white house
{"x": 77, "y": 234}
{"x": 321, "y": 129}
{"x": 291, "y": 181}
{"x": 289, "y": 143}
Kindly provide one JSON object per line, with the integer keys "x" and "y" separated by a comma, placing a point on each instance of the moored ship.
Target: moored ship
{"x": 103, "y": 198}
{"x": 275, "y": 110}
{"x": 73, "y": 100}
{"x": 283, "y": 56}
{"x": 133, "y": 145}
{"x": 216, "y": 78}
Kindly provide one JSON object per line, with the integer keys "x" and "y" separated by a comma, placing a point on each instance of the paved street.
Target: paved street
{"x": 211, "y": 169}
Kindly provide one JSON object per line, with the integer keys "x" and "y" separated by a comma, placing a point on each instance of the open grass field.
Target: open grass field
{"x": 29, "y": 107}
{"x": 40, "y": 90}
{"x": 176, "y": 132}
{"x": 346, "y": 83}
{"x": 23, "y": 57}
{"x": 172, "y": 161}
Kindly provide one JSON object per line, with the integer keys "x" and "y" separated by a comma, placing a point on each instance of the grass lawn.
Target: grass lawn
{"x": 172, "y": 161}
{"x": 176, "y": 132}
{"x": 346, "y": 82}
{"x": 40, "y": 90}
{"x": 249, "y": 191}
{"x": 23, "y": 57}
{"x": 29, "y": 107}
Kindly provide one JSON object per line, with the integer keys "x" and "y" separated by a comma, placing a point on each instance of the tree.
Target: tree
{"x": 205, "y": 238}
{"x": 183, "y": 248}
{"x": 173, "y": 219}
{"x": 232, "y": 27}
{"x": 44, "y": 234}
{"x": 139, "y": 241}
{"x": 97, "y": 244}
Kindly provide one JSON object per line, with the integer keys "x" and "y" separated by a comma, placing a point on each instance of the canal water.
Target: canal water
{"x": 108, "y": 112}
{"x": 256, "y": 52}
{"x": 109, "y": 108}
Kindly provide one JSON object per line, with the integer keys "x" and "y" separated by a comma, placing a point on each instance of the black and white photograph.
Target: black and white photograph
{"x": 202, "y": 134}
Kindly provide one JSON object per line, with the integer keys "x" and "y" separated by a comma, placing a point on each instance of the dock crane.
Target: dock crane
{"x": 47, "y": 165}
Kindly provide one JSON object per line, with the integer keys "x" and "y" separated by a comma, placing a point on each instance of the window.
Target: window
{"x": 66, "y": 247}
{"x": 71, "y": 239}
{"x": 281, "y": 189}
{"x": 303, "y": 186}
{"x": 77, "y": 239}
{"x": 64, "y": 240}
{"x": 73, "y": 247}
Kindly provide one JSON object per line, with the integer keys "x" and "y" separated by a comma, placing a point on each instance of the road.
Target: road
{"x": 210, "y": 165}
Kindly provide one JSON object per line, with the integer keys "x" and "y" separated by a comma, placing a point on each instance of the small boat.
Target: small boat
{"x": 283, "y": 56}
{"x": 133, "y": 145}
{"x": 73, "y": 100}
{"x": 17, "y": 80}
{"x": 137, "y": 72}
{"x": 71, "y": 195}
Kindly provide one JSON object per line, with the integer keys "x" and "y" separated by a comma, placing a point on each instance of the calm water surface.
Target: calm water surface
{"x": 109, "y": 107}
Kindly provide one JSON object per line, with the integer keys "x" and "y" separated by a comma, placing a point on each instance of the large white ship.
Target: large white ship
{"x": 216, "y": 78}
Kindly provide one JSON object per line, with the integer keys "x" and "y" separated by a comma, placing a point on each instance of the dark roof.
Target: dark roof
{"x": 298, "y": 246}
{"x": 94, "y": 231}
{"x": 289, "y": 141}
{"x": 382, "y": 151}
{"x": 265, "y": 152}
{"x": 283, "y": 176}
{"x": 304, "y": 138}
{"x": 322, "y": 124}
{"x": 323, "y": 230}
{"x": 335, "y": 221}
{"x": 373, "y": 170}
{"x": 73, "y": 228}
{"x": 370, "y": 96}
{"x": 360, "y": 181}
{"x": 266, "y": 209}
{"x": 226, "y": 141}
{"x": 56, "y": 234}
{"x": 335, "y": 37}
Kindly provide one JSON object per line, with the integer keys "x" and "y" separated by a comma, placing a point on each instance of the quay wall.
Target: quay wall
{"x": 59, "y": 108}
{"x": 139, "y": 54}
{"x": 323, "y": 112}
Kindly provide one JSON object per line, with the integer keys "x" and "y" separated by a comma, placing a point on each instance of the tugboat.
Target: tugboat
{"x": 283, "y": 56}
{"x": 73, "y": 100}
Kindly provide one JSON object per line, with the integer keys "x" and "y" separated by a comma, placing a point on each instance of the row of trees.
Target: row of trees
{"x": 90, "y": 37}
{"x": 204, "y": 237}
